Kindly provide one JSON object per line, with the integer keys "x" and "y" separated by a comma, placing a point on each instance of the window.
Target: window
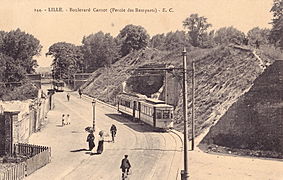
{"x": 158, "y": 114}
{"x": 166, "y": 114}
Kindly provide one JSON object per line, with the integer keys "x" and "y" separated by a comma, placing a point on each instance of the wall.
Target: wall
{"x": 17, "y": 126}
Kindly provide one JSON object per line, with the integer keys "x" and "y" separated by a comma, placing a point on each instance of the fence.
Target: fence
{"x": 15, "y": 172}
{"x": 39, "y": 156}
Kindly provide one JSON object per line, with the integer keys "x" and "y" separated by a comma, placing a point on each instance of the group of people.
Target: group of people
{"x": 66, "y": 119}
{"x": 125, "y": 163}
{"x": 90, "y": 139}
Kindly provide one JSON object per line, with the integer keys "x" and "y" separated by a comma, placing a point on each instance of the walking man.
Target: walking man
{"x": 125, "y": 166}
{"x": 80, "y": 93}
{"x": 113, "y": 131}
{"x": 68, "y": 96}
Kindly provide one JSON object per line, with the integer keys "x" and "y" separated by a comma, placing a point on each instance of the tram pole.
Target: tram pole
{"x": 185, "y": 111}
{"x": 193, "y": 104}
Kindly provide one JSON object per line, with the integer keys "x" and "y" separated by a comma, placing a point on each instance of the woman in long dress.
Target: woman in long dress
{"x": 90, "y": 140}
{"x": 100, "y": 144}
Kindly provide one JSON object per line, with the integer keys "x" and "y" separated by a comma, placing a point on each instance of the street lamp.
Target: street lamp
{"x": 93, "y": 114}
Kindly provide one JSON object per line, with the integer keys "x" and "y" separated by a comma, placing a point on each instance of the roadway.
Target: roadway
{"x": 153, "y": 155}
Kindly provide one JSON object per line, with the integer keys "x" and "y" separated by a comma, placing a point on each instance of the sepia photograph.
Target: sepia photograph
{"x": 141, "y": 90}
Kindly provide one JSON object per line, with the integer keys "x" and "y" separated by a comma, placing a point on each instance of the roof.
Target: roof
{"x": 154, "y": 101}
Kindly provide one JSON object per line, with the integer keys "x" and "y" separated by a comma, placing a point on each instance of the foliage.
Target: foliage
{"x": 197, "y": 26}
{"x": 171, "y": 41}
{"x": 99, "y": 50}
{"x": 68, "y": 59}
{"x": 22, "y": 47}
{"x": 206, "y": 40}
{"x": 258, "y": 36}
{"x": 17, "y": 50}
{"x": 276, "y": 34}
{"x": 23, "y": 92}
{"x": 132, "y": 37}
{"x": 157, "y": 41}
{"x": 228, "y": 35}
{"x": 10, "y": 72}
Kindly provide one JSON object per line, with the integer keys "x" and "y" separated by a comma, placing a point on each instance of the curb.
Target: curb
{"x": 179, "y": 134}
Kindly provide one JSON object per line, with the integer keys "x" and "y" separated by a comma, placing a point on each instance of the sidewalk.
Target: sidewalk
{"x": 62, "y": 140}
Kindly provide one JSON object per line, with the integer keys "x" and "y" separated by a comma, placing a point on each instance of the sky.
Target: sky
{"x": 68, "y": 26}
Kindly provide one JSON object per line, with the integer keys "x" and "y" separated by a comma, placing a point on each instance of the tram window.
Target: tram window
{"x": 127, "y": 103}
{"x": 166, "y": 114}
{"x": 158, "y": 114}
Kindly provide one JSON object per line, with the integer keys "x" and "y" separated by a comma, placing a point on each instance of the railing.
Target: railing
{"x": 29, "y": 149}
{"x": 15, "y": 172}
{"x": 38, "y": 156}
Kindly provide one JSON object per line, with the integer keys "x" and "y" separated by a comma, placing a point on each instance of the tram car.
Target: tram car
{"x": 150, "y": 111}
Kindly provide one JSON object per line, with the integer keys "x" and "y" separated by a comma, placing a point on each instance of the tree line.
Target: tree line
{"x": 101, "y": 49}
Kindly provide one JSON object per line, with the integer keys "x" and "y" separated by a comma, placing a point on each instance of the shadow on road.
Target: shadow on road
{"x": 79, "y": 150}
{"x": 136, "y": 126}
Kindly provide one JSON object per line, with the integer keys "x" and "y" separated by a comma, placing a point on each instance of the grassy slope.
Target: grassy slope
{"x": 223, "y": 74}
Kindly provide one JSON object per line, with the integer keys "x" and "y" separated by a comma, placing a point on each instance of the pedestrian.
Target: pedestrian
{"x": 68, "y": 96}
{"x": 100, "y": 143}
{"x": 113, "y": 131}
{"x": 125, "y": 165}
{"x": 68, "y": 119}
{"x": 90, "y": 140}
{"x": 63, "y": 120}
{"x": 80, "y": 93}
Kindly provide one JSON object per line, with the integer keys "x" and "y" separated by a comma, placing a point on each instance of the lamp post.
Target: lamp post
{"x": 93, "y": 114}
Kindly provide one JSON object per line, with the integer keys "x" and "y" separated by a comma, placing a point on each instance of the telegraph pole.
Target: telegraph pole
{"x": 185, "y": 109}
{"x": 193, "y": 104}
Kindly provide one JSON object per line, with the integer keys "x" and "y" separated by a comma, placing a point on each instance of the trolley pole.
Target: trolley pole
{"x": 185, "y": 111}
{"x": 93, "y": 114}
{"x": 193, "y": 104}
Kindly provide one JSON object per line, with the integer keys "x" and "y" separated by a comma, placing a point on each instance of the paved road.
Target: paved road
{"x": 153, "y": 155}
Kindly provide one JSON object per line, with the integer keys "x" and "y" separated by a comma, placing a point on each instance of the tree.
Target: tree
{"x": 206, "y": 40}
{"x": 68, "y": 59}
{"x": 157, "y": 41}
{"x": 197, "y": 26}
{"x": 99, "y": 50}
{"x": 22, "y": 47}
{"x": 132, "y": 38}
{"x": 276, "y": 34}
{"x": 228, "y": 35}
{"x": 258, "y": 36}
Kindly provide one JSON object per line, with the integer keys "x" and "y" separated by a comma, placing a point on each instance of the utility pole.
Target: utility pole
{"x": 193, "y": 104}
{"x": 185, "y": 109}
{"x": 166, "y": 87}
